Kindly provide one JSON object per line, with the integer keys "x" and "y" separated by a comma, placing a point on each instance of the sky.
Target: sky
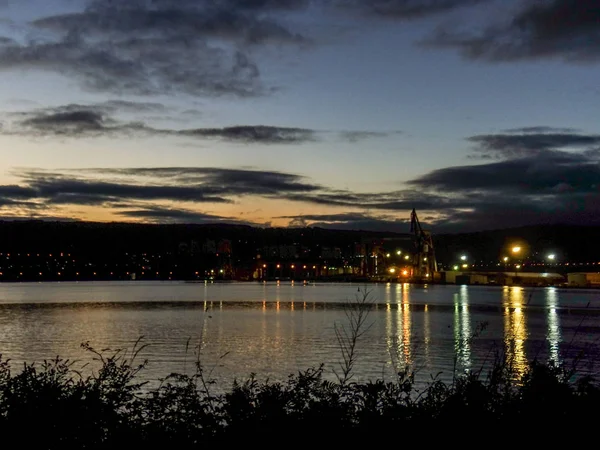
{"x": 481, "y": 114}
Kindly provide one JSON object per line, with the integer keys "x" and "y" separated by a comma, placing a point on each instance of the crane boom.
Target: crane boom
{"x": 424, "y": 262}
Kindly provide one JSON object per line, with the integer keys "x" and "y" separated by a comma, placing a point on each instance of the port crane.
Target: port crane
{"x": 424, "y": 264}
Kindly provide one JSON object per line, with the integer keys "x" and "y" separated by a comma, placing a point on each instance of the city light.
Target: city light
{"x": 518, "y": 266}
{"x": 505, "y": 259}
{"x": 405, "y": 272}
{"x": 463, "y": 257}
{"x": 392, "y": 270}
{"x": 455, "y": 267}
{"x": 387, "y": 255}
{"x": 406, "y": 257}
{"x": 399, "y": 252}
{"x": 464, "y": 266}
{"x": 552, "y": 257}
{"x": 516, "y": 249}
{"x": 292, "y": 266}
{"x": 278, "y": 266}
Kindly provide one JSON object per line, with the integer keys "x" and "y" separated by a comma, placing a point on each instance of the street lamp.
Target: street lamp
{"x": 516, "y": 249}
{"x": 463, "y": 257}
{"x": 552, "y": 257}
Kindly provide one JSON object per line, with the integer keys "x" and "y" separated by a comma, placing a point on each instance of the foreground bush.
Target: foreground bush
{"x": 54, "y": 406}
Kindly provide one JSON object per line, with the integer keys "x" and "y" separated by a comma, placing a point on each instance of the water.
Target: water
{"x": 277, "y": 329}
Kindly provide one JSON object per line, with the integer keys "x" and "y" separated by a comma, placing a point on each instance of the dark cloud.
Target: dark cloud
{"x": 130, "y": 106}
{"x": 255, "y": 134}
{"x": 75, "y": 122}
{"x": 560, "y": 29}
{"x": 223, "y": 181}
{"x": 149, "y": 66}
{"x": 531, "y": 142}
{"x": 96, "y": 120}
{"x": 179, "y": 19}
{"x": 161, "y": 214}
{"x": 16, "y": 192}
{"x": 552, "y": 187}
{"x": 541, "y": 129}
{"x": 77, "y": 191}
{"x": 407, "y": 9}
{"x": 527, "y": 175}
{"x": 157, "y": 47}
{"x": 197, "y": 185}
{"x": 358, "y": 136}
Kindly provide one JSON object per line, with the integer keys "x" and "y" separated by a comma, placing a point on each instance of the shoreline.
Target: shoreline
{"x": 295, "y": 282}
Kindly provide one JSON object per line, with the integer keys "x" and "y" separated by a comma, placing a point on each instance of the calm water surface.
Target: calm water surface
{"x": 277, "y": 329}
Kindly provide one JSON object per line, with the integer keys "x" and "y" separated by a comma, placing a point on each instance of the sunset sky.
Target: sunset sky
{"x": 347, "y": 114}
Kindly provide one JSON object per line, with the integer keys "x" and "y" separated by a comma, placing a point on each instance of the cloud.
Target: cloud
{"x": 255, "y": 134}
{"x": 223, "y": 181}
{"x": 157, "y": 48}
{"x": 195, "y": 185}
{"x": 552, "y": 187}
{"x": 359, "y": 136}
{"x": 162, "y": 215}
{"x": 523, "y": 175}
{"x": 532, "y": 141}
{"x": 96, "y": 120}
{"x": 407, "y": 9}
{"x": 552, "y": 29}
{"x": 101, "y": 119}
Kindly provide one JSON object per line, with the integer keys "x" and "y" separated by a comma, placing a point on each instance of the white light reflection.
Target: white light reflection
{"x": 515, "y": 330}
{"x": 553, "y": 336}
{"x": 398, "y": 328}
{"x": 462, "y": 328}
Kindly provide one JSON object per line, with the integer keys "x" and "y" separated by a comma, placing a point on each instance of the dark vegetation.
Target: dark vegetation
{"x": 52, "y": 405}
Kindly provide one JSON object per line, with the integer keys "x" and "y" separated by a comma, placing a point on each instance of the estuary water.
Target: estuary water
{"x": 276, "y": 329}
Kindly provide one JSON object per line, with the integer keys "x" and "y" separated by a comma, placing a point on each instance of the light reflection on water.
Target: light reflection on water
{"x": 278, "y": 329}
{"x": 515, "y": 329}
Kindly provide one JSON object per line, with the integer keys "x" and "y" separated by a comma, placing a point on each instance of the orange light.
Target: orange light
{"x": 264, "y": 266}
{"x": 305, "y": 267}
{"x": 293, "y": 266}
{"x": 405, "y": 272}
{"x": 278, "y": 266}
